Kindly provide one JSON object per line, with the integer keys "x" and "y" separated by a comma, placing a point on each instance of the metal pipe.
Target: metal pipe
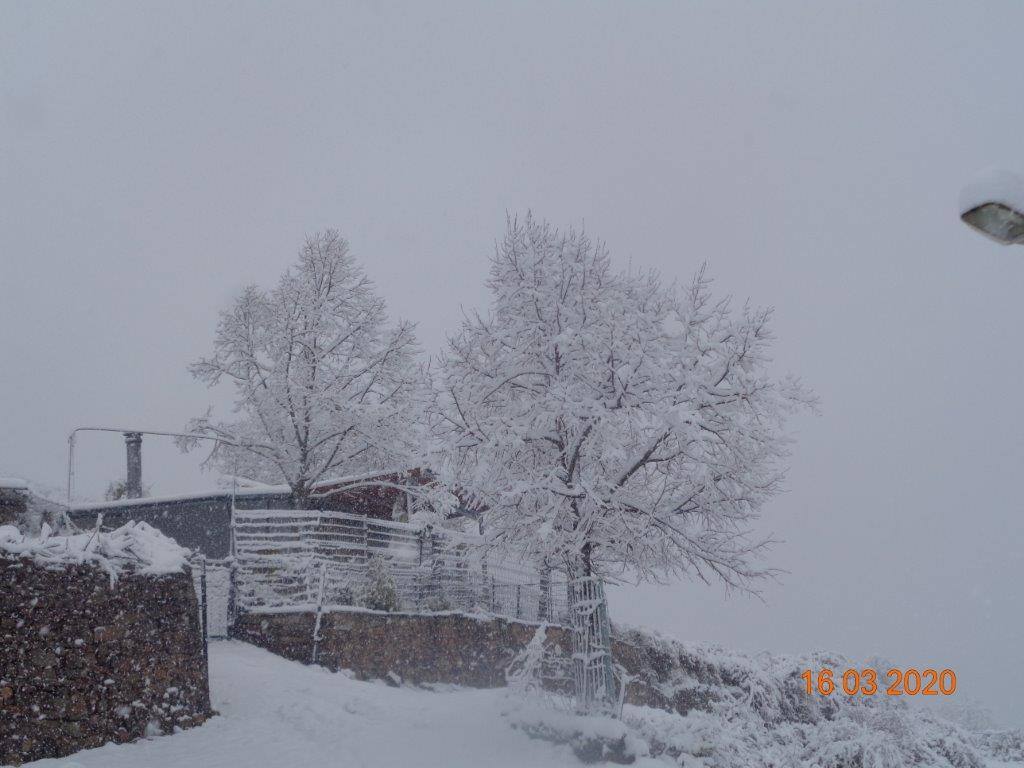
{"x": 133, "y": 476}
{"x": 123, "y": 430}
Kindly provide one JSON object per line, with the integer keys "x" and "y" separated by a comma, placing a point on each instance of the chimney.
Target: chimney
{"x": 133, "y": 484}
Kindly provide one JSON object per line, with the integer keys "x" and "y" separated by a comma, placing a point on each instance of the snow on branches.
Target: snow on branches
{"x": 324, "y": 385}
{"x": 610, "y": 422}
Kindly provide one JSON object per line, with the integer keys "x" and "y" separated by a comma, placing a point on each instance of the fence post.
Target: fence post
{"x": 483, "y": 580}
{"x": 421, "y": 540}
{"x": 202, "y": 611}
{"x": 519, "y": 601}
{"x": 319, "y": 614}
{"x": 427, "y": 562}
{"x": 232, "y": 599}
{"x": 544, "y": 606}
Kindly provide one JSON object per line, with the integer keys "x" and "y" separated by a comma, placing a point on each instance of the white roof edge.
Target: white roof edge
{"x": 257, "y": 490}
{"x": 99, "y": 505}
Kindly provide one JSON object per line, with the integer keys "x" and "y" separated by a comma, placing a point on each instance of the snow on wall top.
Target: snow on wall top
{"x": 134, "y": 545}
{"x": 13, "y": 483}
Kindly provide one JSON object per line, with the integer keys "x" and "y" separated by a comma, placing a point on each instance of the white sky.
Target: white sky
{"x": 156, "y": 157}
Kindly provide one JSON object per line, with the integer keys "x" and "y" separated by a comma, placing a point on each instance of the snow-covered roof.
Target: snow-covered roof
{"x": 134, "y": 545}
{"x": 250, "y": 489}
{"x": 13, "y": 484}
{"x": 216, "y": 493}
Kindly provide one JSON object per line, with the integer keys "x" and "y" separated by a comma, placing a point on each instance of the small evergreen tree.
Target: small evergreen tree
{"x": 116, "y": 490}
{"x": 379, "y": 591}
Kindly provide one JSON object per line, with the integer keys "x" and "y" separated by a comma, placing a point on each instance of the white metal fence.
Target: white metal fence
{"x": 301, "y": 559}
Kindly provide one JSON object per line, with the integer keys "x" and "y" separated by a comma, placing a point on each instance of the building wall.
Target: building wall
{"x": 203, "y": 523}
{"x": 84, "y": 661}
{"x": 199, "y": 523}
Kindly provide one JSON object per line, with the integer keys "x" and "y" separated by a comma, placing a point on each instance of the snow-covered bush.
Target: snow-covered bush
{"x": 379, "y": 592}
{"x": 541, "y": 670}
{"x": 437, "y": 604}
{"x": 726, "y": 709}
{"x": 1002, "y": 745}
{"x": 753, "y": 710}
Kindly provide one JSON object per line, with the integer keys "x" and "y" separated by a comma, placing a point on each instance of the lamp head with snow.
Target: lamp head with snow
{"x": 993, "y": 204}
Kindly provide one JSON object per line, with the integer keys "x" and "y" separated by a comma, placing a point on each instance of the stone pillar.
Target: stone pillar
{"x": 133, "y": 481}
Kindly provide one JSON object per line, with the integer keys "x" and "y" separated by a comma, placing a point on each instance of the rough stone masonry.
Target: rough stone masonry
{"x": 472, "y": 651}
{"x": 86, "y": 659}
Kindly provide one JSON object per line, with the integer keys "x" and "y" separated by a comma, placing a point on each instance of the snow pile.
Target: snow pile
{"x": 134, "y": 545}
{"x": 592, "y": 738}
{"x": 878, "y": 735}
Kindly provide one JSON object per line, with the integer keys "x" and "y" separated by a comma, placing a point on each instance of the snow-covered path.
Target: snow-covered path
{"x": 279, "y": 713}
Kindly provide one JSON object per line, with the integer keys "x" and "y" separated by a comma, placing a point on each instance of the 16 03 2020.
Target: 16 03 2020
{"x": 865, "y": 682}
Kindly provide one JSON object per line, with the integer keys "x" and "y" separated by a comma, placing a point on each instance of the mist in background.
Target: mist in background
{"x": 155, "y": 158}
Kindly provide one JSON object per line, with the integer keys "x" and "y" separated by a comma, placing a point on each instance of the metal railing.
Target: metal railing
{"x": 322, "y": 560}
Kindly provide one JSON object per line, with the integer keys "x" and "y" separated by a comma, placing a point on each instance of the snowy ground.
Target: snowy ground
{"x": 276, "y": 712}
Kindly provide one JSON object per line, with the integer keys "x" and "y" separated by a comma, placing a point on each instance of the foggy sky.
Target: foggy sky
{"x": 157, "y": 157}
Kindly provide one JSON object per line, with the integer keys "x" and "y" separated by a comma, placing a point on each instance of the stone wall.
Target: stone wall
{"x": 438, "y": 648}
{"x": 84, "y": 661}
{"x": 458, "y": 649}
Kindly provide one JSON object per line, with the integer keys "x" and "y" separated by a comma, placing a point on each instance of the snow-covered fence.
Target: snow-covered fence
{"x": 279, "y": 554}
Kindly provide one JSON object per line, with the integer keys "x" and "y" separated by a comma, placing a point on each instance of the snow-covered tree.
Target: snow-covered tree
{"x": 610, "y": 422}
{"x": 324, "y": 384}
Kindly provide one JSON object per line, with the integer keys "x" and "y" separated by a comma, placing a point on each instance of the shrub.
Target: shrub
{"x": 379, "y": 592}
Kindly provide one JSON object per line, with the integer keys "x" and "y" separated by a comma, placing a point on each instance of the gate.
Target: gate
{"x": 216, "y": 622}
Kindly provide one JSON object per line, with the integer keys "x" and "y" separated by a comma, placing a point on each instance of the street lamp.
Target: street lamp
{"x": 993, "y": 204}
